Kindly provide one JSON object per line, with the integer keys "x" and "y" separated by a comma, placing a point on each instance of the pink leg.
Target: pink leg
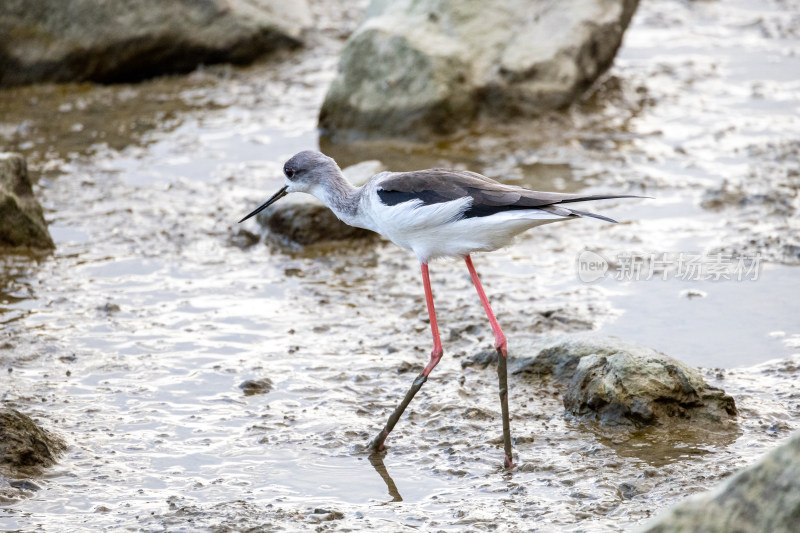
{"x": 500, "y": 343}
{"x": 501, "y": 346}
{"x": 436, "y": 355}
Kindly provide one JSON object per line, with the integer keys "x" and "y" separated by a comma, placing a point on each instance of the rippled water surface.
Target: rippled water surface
{"x": 132, "y": 339}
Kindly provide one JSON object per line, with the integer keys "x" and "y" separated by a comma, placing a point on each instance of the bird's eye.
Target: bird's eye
{"x": 289, "y": 172}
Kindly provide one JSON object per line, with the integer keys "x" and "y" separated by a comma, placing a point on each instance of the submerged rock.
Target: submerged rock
{"x": 243, "y": 239}
{"x": 303, "y": 219}
{"x": 21, "y": 219}
{"x": 415, "y": 68}
{"x": 763, "y": 497}
{"x": 619, "y": 383}
{"x": 128, "y": 40}
{"x": 25, "y": 448}
{"x": 256, "y": 386}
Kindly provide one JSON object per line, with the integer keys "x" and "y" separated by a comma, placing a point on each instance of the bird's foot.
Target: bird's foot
{"x": 377, "y": 444}
{"x": 507, "y": 462}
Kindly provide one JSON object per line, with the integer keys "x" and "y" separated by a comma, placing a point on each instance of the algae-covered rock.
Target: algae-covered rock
{"x": 21, "y": 219}
{"x": 763, "y": 497}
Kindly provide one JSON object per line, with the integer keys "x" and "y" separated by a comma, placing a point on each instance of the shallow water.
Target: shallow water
{"x": 132, "y": 338}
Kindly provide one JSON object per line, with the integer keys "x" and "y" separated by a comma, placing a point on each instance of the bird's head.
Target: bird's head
{"x": 304, "y": 172}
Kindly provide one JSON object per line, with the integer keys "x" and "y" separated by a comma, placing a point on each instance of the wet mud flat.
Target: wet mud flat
{"x": 134, "y": 338}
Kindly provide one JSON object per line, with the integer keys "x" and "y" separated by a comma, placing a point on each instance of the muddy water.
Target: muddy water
{"x": 133, "y": 338}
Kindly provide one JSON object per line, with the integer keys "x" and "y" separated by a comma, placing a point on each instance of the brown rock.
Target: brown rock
{"x": 21, "y": 219}
{"x": 25, "y": 448}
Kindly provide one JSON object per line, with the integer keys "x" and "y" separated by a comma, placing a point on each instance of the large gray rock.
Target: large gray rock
{"x": 21, "y": 220}
{"x": 420, "y": 67}
{"x": 303, "y": 219}
{"x": 764, "y": 497}
{"x": 25, "y": 448}
{"x": 127, "y": 40}
{"x": 619, "y": 383}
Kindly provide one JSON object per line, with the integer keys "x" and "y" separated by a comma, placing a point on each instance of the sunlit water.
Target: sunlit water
{"x": 132, "y": 339}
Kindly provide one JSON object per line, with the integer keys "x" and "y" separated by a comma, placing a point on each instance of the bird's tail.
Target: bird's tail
{"x": 578, "y": 198}
{"x": 593, "y": 215}
{"x": 557, "y": 208}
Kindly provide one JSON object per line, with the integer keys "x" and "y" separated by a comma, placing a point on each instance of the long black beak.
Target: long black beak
{"x": 275, "y": 197}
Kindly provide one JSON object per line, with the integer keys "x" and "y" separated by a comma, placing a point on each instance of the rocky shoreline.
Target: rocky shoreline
{"x": 201, "y": 375}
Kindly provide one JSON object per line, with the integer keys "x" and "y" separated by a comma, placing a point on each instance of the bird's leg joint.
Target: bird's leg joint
{"x": 436, "y": 356}
{"x": 500, "y": 343}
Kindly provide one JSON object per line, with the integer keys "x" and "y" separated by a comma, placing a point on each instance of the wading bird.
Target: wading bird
{"x": 434, "y": 213}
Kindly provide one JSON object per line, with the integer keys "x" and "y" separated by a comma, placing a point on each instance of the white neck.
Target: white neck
{"x": 343, "y": 199}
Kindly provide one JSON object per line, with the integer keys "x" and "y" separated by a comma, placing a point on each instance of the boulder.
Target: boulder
{"x": 303, "y": 219}
{"x": 416, "y": 68}
{"x": 619, "y": 383}
{"x": 762, "y": 497}
{"x": 129, "y": 40}
{"x": 25, "y": 448}
{"x": 21, "y": 219}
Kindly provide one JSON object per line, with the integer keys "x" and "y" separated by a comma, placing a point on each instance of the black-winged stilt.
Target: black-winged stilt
{"x": 434, "y": 213}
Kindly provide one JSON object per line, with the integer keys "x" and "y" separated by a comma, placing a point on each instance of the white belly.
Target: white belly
{"x": 433, "y": 231}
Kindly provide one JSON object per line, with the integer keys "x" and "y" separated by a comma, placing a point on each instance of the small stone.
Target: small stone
{"x": 110, "y": 308}
{"x": 24, "y": 484}
{"x": 243, "y": 239}
{"x": 405, "y": 367}
{"x": 627, "y": 490}
{"x": 481, "y": 359}
{"x": 693, "y": 293}
{"x": 256, "y": 386}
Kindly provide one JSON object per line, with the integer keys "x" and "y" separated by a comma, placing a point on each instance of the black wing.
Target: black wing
{"x": 489, "y": 197}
